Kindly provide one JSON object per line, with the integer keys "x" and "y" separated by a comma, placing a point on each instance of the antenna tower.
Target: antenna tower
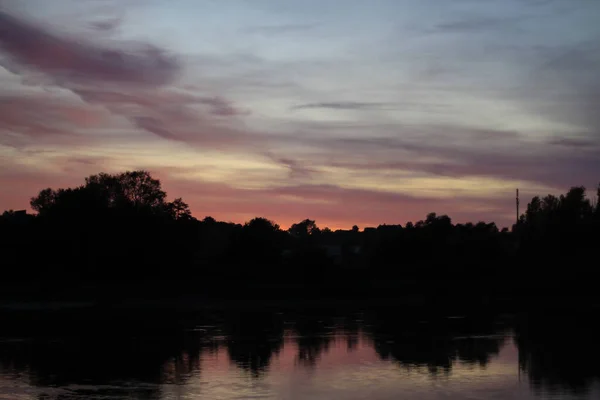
{"x": 517, "y": 206}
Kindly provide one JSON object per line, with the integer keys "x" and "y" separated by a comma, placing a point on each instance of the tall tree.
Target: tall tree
{"x": 304, "y": 229}
{"x": 127, "y": 190}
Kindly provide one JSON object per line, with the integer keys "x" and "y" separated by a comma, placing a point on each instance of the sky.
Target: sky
{"x": 343, "y": 111}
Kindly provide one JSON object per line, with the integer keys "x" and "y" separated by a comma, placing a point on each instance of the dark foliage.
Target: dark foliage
{"x": 118, "y": 235}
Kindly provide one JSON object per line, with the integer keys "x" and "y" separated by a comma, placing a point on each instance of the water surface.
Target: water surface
{"x": 290, "y": 355}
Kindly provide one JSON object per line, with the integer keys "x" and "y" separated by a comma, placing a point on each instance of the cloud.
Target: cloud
{"x": 71, "y": 60}
{"x": 153, "y": 125}
{"x": 297, "y": 169}
{"x": 516, "y": 160}
{"x": 106, "y": 25}
{"x": 343, "y": 105}
{"x": 478, "y": 23}
{"x": 126, "y": 81}
{"x": 331, "y": 205}
{"x": 45, "y": 119}
{"x": 434, "y": 132}
{"x": 564, "y": 85}
{"x": 164, "y": 98}
{"x": 222, "y": 107}
{"x": 572, "y": 142}
{"x": 24, "y": 174}
{"x": 176, "y": 115}
{"x": 269, "y": 30}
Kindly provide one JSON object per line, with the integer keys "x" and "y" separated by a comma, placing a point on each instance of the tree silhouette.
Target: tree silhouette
{"x": 128, "y": 191}
{"x": 598, "y": 199}
{"x": 178, "y": 210}
{"x": 304, "y": 229}
{"x": 120, "y": 229}
{"x": 260, "y": 244}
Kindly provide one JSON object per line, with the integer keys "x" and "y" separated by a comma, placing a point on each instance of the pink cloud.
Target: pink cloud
{"x": 329, "y": 205}
{"x": 137, "y": 84}
{"x": 176, "y": 116}
{"x": 75, "y": 61}
{"x": 165, "y": 99}
{"x": 45, "y": 119}
{"x": 127, "y": 81}
{"x": 22, "y": 183}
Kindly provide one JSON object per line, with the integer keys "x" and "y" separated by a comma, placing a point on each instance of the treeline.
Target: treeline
{"x": 120, "y": 229}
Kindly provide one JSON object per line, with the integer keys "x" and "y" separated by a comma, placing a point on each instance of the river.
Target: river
{"x": 312, "y": 354}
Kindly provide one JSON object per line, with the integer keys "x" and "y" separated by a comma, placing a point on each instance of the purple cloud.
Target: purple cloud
{"x": 75, "y": 61}
{"x": 517, "y": 159}
{"x": 45, "y": 119}
{"x": 297, "y": 169}
{"x": 153, "y": 125}
{"x": 125, "y": 81}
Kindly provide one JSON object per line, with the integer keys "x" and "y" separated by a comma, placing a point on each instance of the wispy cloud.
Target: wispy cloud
{"x": 343, "y": 105}
{"x": 45, "y": 119}
{"x": 478, "y": 23}
{"x": 106, "y": 25}
{"x": 572, "y": 142}
{"x": 280, "y": 29}
{"x": 297, "y": 169}
{"x": 369, "y": 137}
{"x": 497, "y": 158}
{"x": 331, "y": 205}
{"x": 69, "y": 60}
{"x": 153, "y": 125}
{"x": 125, "y": 81}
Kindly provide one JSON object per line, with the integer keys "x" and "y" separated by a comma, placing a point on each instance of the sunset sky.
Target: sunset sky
{"x": 344, "y": 111}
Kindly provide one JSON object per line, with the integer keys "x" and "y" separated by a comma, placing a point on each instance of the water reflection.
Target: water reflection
{"x": 438, "y": 344}
{"x": 238, "y": 354}
{"x": 560, "y": 353}
{"x": 252, "y": 339}
{"x": 313, "y": 337}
